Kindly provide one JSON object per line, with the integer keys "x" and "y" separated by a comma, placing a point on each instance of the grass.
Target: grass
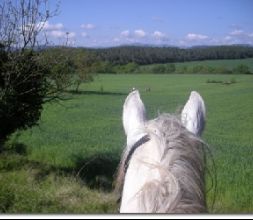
{"x": 220, "y": 65}
{"x": 229, "y": 64}
{"x": 25, "y": 191}
{"x": 67, "y": 163}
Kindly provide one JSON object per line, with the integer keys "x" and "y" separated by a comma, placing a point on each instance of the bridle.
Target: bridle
{"x": 140, "y": 142}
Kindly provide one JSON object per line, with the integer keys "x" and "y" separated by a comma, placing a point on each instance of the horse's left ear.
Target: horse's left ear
{"x": 194, "y": 113}
{"x": 134, "y": 113}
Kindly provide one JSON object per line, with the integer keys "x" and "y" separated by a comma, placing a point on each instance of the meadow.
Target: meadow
{"x": 229, "y": 64}
{"x": 67, "y": 163}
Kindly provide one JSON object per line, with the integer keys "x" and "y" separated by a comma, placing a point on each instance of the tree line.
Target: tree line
{"x": 169, "y": 68}
{"x": 135, "y": 59}
{"x": 149, "y": 55}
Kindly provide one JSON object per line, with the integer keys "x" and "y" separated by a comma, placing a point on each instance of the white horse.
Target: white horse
{"x": 162, "y": 168}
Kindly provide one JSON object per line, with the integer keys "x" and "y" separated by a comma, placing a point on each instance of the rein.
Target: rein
{"x": 140, "y": 142}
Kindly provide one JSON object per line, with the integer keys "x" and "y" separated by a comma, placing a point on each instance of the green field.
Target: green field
{"x": 230, "y": 64}
{"x": 193, "y": 67}
{"x": 67, "y": 163}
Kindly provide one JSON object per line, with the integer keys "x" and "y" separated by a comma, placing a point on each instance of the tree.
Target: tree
{"x": 84, "y": 67}
{"x": 22, "y": 91}
{"x": 61, "y": 64}
{"x": 23, "y": 80}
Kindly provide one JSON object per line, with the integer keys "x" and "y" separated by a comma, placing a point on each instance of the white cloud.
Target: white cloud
{"x": 193, "y": 37}
{"x": 228, "y": 38}
{"x": 46, "y": 26}
{"x": 61, "y": 34}
{"x": 140, "y": 33}
{"x": 57, "y": 34}
{"x": 54, "y": 30}
{"x": 88, "y": 26}
{"x": 239, "y": 36}
{"x": 159, "y": 35}
{"x": 237, "y": 32}
{"x": 125, "y": 33}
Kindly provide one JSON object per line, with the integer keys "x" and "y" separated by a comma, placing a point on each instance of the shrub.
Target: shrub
{"x": 241, "y": 69}
{"x": 170, "y": 68}
{"x": 22, "y": 90}
{"x": 23, "y": 82}
{"x": 131, "y": 67}
{"x": 104, "y": 67}
{"x": 158, "y": 68}
{"x": 214, "y": 81}
{"x": 182, "y": 69}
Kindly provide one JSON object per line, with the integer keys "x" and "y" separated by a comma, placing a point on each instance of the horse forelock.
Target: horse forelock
{"x": 181, "y": 168}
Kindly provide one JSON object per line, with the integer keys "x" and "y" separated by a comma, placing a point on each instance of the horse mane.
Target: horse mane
{"x": 181, "y": 188}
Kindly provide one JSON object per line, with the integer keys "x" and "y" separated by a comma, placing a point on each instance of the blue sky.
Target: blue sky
{"x": 103, "y": 23}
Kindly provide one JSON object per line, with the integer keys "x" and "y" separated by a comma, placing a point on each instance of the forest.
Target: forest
{"x": 146, "y": 59}
{"x": 143, "y": 55}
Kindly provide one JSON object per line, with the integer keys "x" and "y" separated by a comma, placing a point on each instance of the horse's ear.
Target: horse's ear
{"x": 194, "y": 113}
{"x": 134, "y": 113}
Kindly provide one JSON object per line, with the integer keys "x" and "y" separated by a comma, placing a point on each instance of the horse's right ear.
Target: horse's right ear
{"x": 194, "y": 113}
{"x": 134, "y": 113}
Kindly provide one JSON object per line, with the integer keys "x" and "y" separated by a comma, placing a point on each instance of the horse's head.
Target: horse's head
{"x": 134, "y": 116}
{"x": 163, "y": 156}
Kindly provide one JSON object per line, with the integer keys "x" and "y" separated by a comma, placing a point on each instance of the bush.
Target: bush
{"x": 158, "y": 68}
{"x": 23, "y": 80}
{"x": 182, "y": 69}
{"x": 224, "y": 82}
{"x": 223, "y": 70}
{"x": 170, "y": 68}
{"x": 104, "y": 67}
{"x": 23, "y": 87}
{"x": 131, "y": 67}
{"x": 241, "y": 69}
{"x": 197, "y": 69}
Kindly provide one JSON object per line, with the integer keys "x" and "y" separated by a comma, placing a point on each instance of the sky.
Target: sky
{"x": 184, "y": 23}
